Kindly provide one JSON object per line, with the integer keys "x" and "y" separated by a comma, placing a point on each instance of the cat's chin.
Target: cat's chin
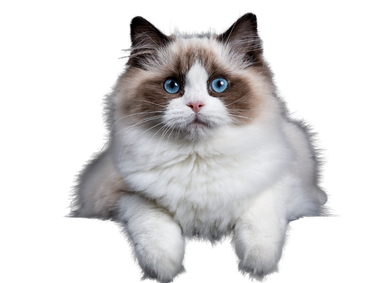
{"x": 196, "y": 130}
{"x": 198, "y": 124}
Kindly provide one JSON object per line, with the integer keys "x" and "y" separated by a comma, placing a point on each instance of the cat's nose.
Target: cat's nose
{"x": 196, "y": 106}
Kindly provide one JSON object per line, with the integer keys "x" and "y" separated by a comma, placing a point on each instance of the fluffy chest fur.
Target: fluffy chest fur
{"x": 205, "y": 185}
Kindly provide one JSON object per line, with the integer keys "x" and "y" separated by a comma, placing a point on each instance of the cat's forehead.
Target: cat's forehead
{"x": 183, "y": 53}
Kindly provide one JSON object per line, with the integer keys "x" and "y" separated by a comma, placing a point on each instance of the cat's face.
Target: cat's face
{"x": 189, "y": 86}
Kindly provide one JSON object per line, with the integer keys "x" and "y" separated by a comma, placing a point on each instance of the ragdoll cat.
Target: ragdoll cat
{"x": 200, "y": 146}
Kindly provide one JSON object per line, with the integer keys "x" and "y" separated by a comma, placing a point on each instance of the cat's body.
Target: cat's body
{"x": 188, "y": 160}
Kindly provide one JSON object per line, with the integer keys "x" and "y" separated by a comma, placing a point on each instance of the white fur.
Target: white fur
{"x": 213, "y": 179}
{"x": 156, "y": 237}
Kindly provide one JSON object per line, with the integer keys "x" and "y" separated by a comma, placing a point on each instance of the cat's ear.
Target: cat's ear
{"x": 145, "y": 38}
{"x": 144, "y": 33}
{"x": 242, "y": 38}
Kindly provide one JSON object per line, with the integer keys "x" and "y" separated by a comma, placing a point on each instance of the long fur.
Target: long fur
{"x": 238, "y": 165}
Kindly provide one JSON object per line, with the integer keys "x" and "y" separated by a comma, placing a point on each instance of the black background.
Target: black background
{"x": 304, "y": 46}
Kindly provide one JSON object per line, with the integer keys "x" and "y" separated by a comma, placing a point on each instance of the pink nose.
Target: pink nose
{"x": 195, "y": 106}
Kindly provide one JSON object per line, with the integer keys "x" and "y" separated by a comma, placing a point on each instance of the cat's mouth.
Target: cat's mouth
{"x": 197, "y": 122}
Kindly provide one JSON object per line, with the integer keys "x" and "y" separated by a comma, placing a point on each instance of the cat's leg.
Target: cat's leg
{"x": 156, "y": 238}
{"x": 259, "y": 236}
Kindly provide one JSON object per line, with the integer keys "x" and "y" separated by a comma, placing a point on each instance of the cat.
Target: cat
{"x": 202, "y": 147}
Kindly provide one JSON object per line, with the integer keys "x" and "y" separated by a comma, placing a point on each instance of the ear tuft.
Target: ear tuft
{"x": 143, "y": 32}
{"x": 146, "y": 39}
{"x": 242, "y": 38}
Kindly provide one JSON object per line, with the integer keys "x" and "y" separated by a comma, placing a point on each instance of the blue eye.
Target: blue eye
{"x": 219, "y": 85}
{"x": 172, "y": 86}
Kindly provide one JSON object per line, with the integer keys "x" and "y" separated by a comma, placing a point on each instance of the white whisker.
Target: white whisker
{"x": 111, "y": 135}
{"x": 143, "y": 112}
{"x": 247, "y": 109}
{"x": 167, "y": 140}
{"x": 150, "y": 102}
{"x": 166, "y": 129}
{"x": 239, "y": 116}
{"x": 156, "y": 133}
{"x": 134, "y": 125}
{"x": 237, "y": 100}
{"x": 125, "y": 151}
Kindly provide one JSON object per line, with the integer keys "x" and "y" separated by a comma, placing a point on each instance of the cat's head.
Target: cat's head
{"x": 191, "y": 85}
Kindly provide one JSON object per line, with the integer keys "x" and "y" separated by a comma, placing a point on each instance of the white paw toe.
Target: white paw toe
{"x": 259, "y": 261}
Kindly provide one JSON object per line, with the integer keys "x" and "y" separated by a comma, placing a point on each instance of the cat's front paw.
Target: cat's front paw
{"x": 259, "y": 261}
{"x": 160, "y": 253}
{"x": 163, "y": 271}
